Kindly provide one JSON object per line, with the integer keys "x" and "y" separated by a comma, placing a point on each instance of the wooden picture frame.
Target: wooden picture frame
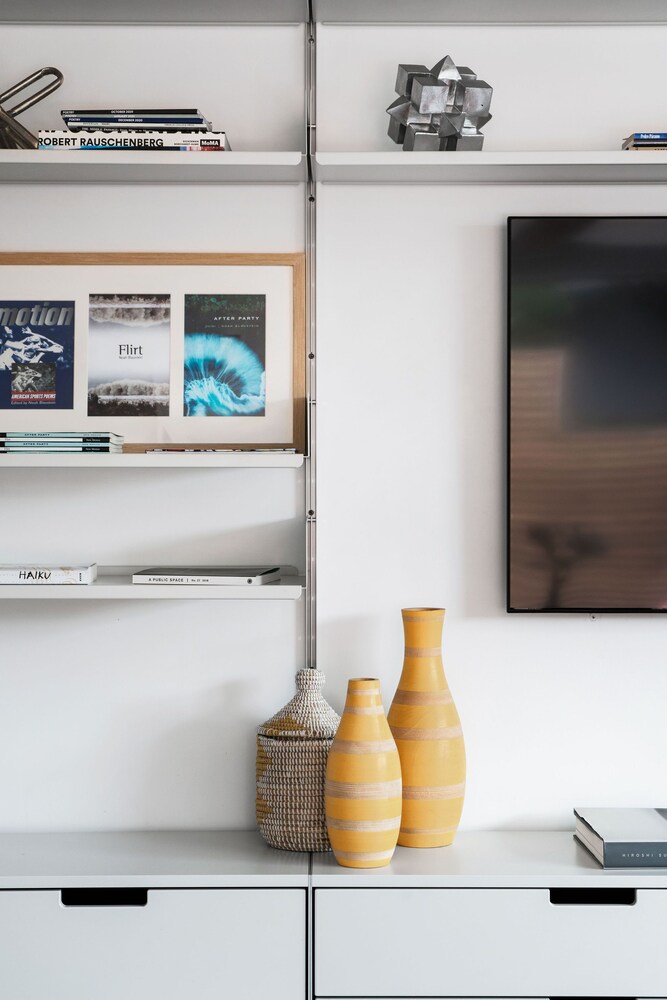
{"x": 276, "y": 278}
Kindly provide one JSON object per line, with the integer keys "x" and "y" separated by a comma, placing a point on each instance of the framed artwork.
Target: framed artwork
{"x": 196, "y": 350}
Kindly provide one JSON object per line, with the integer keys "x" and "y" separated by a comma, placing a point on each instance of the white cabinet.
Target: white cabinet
{"x": 151, "y": 916}
{"x": 495, "y": 915}
{"x": 487, "y": 942}
{"x": 201, "y": 943}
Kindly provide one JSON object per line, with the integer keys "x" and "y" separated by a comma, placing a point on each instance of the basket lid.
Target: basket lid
{"x": 307, "y": 716}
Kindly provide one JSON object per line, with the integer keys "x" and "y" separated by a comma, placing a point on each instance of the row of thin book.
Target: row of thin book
{"x": 60, "y": 442}
{"x": 205, "y": 576}
{"x": 158, "y": 129}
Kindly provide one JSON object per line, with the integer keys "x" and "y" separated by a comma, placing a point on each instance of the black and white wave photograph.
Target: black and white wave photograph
{"x": 128, "y": 355}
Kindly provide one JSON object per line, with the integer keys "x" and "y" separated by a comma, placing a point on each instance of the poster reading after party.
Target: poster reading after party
{"x": 128, "y": 355}
{"x": 225, "y": 356}
{"x": 36, "y": 355}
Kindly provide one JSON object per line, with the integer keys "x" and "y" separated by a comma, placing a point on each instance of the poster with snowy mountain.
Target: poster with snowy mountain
{"x": 36, "y": 355}
{"x": 225, "y": 356}
{"x": 128, "y": 355}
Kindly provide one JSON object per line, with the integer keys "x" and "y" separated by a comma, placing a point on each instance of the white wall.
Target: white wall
{"x": 557, "y": 711}
{"x": 248, "y": 81}
{"x": 555, "y": 87}
{"x": 142, "y": 714}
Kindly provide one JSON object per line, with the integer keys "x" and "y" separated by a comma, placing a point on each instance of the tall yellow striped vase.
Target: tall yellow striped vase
{"x": 363, "y": 781}
{"x": 427, "y": 730}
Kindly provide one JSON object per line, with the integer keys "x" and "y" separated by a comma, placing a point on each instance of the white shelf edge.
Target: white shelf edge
{"x": 168, "y": 460}
{"x": 490, "y": 12}
{"x": 489, "y": 859}
{"x": 21, "y": 166}
{"x": 168, "y": 12}
{"x": 115, "y": 583}
{"x": 150, "y": 859}
{"x": 622, "y": 166}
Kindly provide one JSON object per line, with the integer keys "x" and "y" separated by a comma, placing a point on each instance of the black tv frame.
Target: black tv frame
{"x": 508, "y": 444}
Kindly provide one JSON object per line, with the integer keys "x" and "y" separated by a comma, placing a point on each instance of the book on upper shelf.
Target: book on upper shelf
{"x": 645, "y": 140}
{"x": 251, "y": 576}
{"x": 623, "y": 838}
{"x": 124, "y": 139}
{"x": 184, "y": 119}
{"x": 32, "y": 575}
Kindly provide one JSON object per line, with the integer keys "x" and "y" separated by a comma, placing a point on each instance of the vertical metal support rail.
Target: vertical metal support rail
{"x": 311, "y": 360}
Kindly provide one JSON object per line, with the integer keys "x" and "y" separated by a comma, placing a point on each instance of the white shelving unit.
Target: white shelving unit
{"x": 114, "y": 583}
{"x": 155, "y": 12}
{"x": 489, "y": 11}
{"x": 625, "y": 167}
{"x": 191, "y": 860}
{"x": 93, "y": 167}
{"x": 167, "y": 460}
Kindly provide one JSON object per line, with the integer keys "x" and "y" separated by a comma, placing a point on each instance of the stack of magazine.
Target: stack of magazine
{"x": 152, "y": 129}
{"x": 645, "y": 140}
{"x": 59, "y": 442}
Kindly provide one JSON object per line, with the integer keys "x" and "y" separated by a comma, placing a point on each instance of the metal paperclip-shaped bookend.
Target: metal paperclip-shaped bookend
{"x": 13, "y": 135}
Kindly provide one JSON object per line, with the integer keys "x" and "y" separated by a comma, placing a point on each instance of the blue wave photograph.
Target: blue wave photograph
{"x": 225, "y": 356}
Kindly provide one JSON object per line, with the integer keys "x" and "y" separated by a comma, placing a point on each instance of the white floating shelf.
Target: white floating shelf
{"x": 489, "y": 11}
{"x": 168, "y": 460}
{"x": 190, "y": 859}
{"x": 22, "y": 166}
{"x": 334, "y": 12}
{"x": 115, "y": 583}
{"x": 623, "y": 166}
{"x": 154, "y": 11}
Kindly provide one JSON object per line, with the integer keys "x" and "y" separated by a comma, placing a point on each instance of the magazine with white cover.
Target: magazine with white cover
{"x": 251, "y": 576}
{"x": 47, "y": 575}
{"x": 128, "y": 355}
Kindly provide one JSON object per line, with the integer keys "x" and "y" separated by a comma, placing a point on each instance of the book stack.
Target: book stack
{"x": 646, "y": 140}
{"x": 623, "y": 838}
{"x": 140, "y": 120}
{"x": 153, "y": 129}
{"x": 60, "y": 442}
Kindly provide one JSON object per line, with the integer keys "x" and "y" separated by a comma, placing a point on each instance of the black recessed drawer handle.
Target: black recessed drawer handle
{"x": 593, "y": 897}
{"x": 104, "y": 897}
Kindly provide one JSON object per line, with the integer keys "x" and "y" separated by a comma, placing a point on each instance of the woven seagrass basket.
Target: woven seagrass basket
{"x": 292, "y": 751}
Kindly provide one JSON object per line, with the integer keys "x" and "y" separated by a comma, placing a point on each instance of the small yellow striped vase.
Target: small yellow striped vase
{"x": 363, "y": 781}
{"x": 427, "y": 730}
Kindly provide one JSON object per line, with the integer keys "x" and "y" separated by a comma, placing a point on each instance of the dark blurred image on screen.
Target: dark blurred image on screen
{"x": 588, "y": 414}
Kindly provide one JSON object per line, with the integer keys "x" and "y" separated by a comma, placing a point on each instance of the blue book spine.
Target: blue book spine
{"x": 131, "y": 121}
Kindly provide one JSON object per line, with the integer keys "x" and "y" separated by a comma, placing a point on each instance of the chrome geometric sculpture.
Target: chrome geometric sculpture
{"x": 439, "y": 109}
{"x": 14, "y": 135}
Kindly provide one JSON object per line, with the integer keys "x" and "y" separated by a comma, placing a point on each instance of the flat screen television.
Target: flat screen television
{"x": 587, "y": 436}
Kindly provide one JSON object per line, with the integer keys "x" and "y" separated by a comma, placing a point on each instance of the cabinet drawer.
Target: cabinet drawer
{"x": 486, "y": 943}
{"x": 203, "y": 943}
